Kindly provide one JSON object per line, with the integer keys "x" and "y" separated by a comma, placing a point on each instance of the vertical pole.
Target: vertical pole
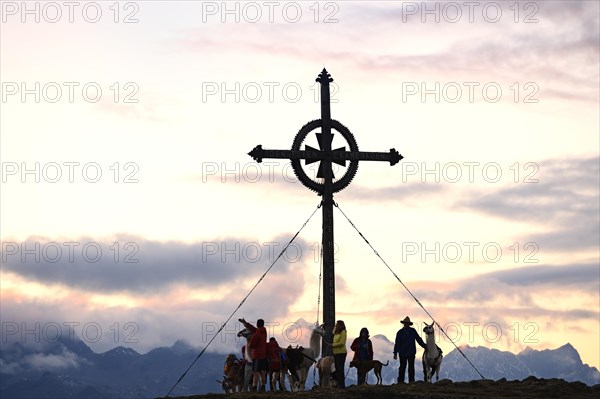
{"x": 327, "y": 238}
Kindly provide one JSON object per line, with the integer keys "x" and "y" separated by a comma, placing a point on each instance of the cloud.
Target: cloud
{"x": 52, "y": 362}
{"x": 573, "y": 275}
{"x": 566, "y": 201}
{"x": 157, "y": 322}
{"x": 176, "y": 290}
{"x": 133, "y": 264}
{"x": 528, "y": 298}
{"x": 49, "y": 362}
{"x": 514, "y": 286}
{"x": 503, "y": 298}
{"x": 10, "y": 367}
{"x": 564, "y": 32}
{"x": 171, "y": 293}
{"x": 559, "y": 52}
{"x": 566, "y": 189}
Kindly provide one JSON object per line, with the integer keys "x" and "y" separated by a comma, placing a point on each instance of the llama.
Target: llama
{"x": 248, "y": 357}
{"x": 432, "y": 357}
{"x": 301, "y": 359}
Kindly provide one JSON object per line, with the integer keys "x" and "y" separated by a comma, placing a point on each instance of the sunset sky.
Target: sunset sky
{"x": 125, "y": 129}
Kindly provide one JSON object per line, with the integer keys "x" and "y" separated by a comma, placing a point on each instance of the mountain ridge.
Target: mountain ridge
{"x": 71, "y": 369}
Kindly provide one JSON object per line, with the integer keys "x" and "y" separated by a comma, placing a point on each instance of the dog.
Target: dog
{"x": 368, "y": 365}
{"x": 326, "y": 367}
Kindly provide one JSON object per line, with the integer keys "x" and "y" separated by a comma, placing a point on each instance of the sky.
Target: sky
{"x": 132, "y": 215}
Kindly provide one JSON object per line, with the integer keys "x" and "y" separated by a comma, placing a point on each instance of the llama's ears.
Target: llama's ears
{"x": 220, "y": 382}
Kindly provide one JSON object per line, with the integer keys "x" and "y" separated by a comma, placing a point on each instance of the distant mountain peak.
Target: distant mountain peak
{"x": 121, "y": 350}
{"x": 382, "y": 337}
{"x": 303, "y": 323}
{"x": 181, "y": 342}
{"x": 527, "y": 349}
{"x": 77, "y": 346}
{"x": 567, "y": 346}
{"x": 567, "y": 351}
{"x": 181, "y": 346}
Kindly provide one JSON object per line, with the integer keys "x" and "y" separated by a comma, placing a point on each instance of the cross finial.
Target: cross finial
{"x": 256, "y": 153}
{"x": 324, "y": 75}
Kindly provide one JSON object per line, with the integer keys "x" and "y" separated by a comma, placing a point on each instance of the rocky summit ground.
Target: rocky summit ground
{"x": 530, "y": 387}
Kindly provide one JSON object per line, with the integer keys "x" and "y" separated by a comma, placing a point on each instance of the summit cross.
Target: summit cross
{"x": 326, "y": 184}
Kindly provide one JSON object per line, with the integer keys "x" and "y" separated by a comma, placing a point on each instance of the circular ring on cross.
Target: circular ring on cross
{"x": 317, "y": 184}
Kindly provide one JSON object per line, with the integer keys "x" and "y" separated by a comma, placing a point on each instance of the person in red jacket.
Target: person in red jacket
{"x": 258, "y": 347}
{"x": 363, "y": 351}
{"x": 274, "y": 359}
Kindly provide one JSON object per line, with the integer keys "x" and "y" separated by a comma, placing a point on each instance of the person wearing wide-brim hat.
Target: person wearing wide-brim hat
{"x": 406, "y": 349}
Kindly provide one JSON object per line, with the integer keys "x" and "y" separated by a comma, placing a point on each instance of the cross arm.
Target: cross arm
{"x": 313, "y": 155}
{"x": 259, "y": 153}
{"x": 393, "y": 157}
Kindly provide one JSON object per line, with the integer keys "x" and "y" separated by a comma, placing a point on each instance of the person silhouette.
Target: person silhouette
{"x": 405, "y": 348}
{"x": 339, "y": 352}
{"x": 363, "y": 351}
{"x": 258, "y": 346}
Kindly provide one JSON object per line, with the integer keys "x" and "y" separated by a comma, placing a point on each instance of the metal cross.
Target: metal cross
{"x": 324, "y": 184}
